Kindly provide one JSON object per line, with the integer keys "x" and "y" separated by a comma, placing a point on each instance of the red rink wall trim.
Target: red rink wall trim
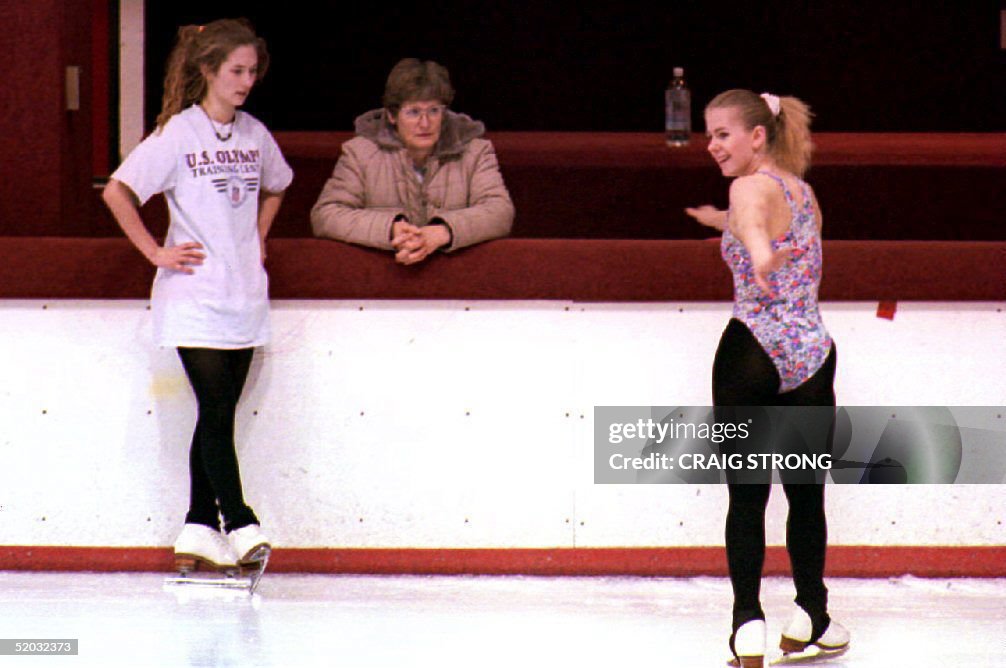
{"x": 586, "y": 270}
{"x": 843, "y": 560}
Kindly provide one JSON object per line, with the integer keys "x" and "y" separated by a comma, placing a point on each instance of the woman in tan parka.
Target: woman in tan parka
{"x": 417, "y": 177}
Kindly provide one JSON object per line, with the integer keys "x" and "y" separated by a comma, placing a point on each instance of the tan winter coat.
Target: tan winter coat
{"x": 374, "y": 181}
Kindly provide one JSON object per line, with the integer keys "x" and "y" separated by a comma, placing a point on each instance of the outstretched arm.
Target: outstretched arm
{"x": 709, "y": 216}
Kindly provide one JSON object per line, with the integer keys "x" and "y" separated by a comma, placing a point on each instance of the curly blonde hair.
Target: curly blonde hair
{"x": 209, "y": 46}
{"x": 788, "y": 134}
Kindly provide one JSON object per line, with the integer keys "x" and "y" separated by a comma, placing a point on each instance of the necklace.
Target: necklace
{"x": 213, "y": 124}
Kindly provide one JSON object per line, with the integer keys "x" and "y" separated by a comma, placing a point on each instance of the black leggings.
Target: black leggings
{"x": 217, "y": 377}
{"x": 744, "y": 375}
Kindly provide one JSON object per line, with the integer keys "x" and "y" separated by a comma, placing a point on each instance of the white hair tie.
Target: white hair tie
{"x": 772, "y": 101}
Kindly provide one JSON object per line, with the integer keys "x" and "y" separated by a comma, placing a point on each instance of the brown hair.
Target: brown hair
{"x": 412, "y": 79}
{"x": 209, "y": 45}
{"x": 788, "y": 134}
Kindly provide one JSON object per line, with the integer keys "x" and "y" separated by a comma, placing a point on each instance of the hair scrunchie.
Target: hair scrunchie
{"x": 773, "y": 103}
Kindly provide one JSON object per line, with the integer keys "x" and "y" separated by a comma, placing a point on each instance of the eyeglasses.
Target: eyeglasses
{"x": 415, "y": 113}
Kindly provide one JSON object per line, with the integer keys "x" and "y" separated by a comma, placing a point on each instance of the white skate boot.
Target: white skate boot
{"x": 797, "y": 636}
{"x": 748, "y": 645}
{"x": 253, "y": 550}
{"x": 250, "y": 545}
{"x": 200, "y": 546}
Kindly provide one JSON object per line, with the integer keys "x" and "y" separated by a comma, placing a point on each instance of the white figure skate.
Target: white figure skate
{"x": 748, "y": 645}
{"x": 797, "y": 648}
{"x": 203, "y": 557}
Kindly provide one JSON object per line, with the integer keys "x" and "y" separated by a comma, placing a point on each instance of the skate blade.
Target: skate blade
{"x": 210, "y": 578}
{"x": 254, "y": 566}
{"x": 813, "y": 654}
{"x": 217, "y": 582}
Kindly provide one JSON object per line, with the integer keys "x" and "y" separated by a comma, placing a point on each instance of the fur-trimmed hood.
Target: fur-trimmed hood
{"x": 456, "y": 131}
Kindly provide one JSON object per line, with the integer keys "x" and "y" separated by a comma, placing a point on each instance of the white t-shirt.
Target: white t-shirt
{"x": 212, "y": 188}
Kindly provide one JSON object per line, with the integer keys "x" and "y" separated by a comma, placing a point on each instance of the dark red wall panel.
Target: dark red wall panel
{"x": 46, "y": 171}
{"x": 31, "y": 116}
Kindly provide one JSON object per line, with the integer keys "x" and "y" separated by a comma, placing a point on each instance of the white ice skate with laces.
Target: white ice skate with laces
{"x": 199, "y": 547}
{"x": 250, "y": 545}
{"x": 797, "y": 647}
{"x": 252, "y": 548}
{"x": 206, "y": 558}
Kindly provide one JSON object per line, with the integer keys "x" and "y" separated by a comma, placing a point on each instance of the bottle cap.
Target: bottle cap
{"x": 679, "y": 71}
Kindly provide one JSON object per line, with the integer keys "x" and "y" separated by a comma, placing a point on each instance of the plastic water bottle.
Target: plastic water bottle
{"x": 678, "y": 110}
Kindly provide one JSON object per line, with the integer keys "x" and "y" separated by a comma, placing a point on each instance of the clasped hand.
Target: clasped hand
{"x": 413, "y": 244}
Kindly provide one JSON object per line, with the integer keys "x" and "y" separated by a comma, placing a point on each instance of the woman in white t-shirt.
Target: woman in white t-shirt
{"x": 223, "y": 177}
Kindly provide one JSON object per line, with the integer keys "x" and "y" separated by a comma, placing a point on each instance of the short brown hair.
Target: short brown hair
{"x": 412, "y": 79}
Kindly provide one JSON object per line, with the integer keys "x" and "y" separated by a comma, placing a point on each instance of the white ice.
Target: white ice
{"x": 322, "y": 620}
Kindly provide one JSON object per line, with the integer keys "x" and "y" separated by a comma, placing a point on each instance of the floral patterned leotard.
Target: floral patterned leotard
{"x": 788, "y": 326}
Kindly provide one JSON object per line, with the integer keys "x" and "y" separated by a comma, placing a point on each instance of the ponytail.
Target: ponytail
{"x": 181, "y": 77}
{"x": 204, "y": 46}
{"x": 793, "y": 146}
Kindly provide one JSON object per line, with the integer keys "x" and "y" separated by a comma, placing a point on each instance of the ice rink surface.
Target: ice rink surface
{"x": 132, "y": 619}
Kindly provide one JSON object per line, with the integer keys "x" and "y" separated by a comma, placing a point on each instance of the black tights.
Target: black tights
{"x": 217, "y": 378}
{"x": 744, "y": 375}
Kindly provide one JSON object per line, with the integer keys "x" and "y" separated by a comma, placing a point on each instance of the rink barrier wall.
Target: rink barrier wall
{"x": 341, "y": 450}
{"x": 113, "y": 452}
{"x": 569, "y": 269}
{"x": 855, "y": 561}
